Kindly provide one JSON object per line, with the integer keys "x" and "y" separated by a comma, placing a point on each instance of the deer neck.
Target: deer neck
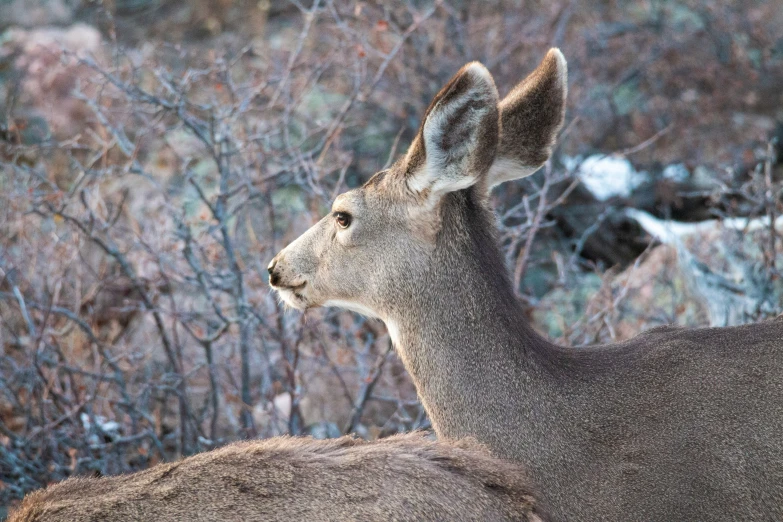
{"x": 463, "y": 339}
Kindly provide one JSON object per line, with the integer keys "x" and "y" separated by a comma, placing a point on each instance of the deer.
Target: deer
{"x": 673, "y": 424}
{"x": 402, "y": 477}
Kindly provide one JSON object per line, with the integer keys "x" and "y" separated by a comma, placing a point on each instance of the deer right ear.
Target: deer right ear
{"x": 530, "y": 117}
{"x": 457, "y": 140}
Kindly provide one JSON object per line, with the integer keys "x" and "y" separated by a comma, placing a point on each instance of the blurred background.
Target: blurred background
{"x": 155, "y": 155}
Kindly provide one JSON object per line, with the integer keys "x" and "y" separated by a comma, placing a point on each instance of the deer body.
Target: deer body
{"x": 675, "y": 424}
{"x": 401, "y": 478}
{"x": 672, "y": 425}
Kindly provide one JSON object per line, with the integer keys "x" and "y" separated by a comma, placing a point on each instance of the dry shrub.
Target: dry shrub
{"x": 145, "y": 185}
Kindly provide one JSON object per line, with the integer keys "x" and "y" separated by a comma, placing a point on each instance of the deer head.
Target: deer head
{"x": 380, "y": 241}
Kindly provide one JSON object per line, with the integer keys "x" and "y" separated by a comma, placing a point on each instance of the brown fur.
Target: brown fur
{"x": 532, "y": 113}
{"x": 531, "y": 116}
{"x": 405, "y": 477}
{"x": 485, "y": 134}
{"x": 674, "y": 424}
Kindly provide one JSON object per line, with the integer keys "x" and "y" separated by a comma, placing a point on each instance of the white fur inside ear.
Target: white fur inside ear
{"x": 424, "y": 180}
{"x": 506, "y": 169}
{"x": 451, "y": 135}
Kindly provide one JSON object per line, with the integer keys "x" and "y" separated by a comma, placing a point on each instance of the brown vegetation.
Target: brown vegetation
{"x": 145, "y": 185}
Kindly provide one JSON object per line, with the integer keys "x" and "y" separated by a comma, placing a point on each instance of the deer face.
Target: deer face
{"x": 369, "y": 252}
{"x": 344, "y": 259}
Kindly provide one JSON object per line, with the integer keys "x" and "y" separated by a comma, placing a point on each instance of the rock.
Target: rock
{"x": 47, "y": 78}
{"x": 722, "y": 265}
{"x": 34, "y": 13}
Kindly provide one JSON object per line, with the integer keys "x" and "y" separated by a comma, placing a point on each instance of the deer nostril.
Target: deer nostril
{"x": 271, "y": 267}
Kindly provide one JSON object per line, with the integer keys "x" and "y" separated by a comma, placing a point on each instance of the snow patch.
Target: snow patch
{"x": 608, "y": 176}
{"x": 676, "y": 172}
{"x": 109, "y": 428}
{"x": 670, "y": 232}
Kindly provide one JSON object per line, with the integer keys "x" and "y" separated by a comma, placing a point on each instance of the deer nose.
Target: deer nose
{"x": 274, "y": 277}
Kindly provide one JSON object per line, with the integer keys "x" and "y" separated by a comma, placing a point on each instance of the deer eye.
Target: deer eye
{"x": 343, "y": 219}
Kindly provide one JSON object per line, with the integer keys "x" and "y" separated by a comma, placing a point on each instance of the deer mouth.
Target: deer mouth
{"x": 293, "y": 288}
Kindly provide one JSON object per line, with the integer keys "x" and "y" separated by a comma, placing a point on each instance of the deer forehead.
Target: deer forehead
{"x": 381, "y": 194}
{"x": 345, "y": 201}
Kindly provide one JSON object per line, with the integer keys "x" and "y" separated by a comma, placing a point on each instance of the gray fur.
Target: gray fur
{"x": 672, "y": 425}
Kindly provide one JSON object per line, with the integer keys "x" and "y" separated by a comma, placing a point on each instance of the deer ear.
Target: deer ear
{"x": 530, "y": 118}
{"x": 457, "y": 140}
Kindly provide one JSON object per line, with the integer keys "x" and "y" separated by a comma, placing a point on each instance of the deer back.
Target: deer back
{"x": 404, "y": 477}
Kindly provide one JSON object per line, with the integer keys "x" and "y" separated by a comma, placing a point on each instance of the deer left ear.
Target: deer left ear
{"x": 531, "y": 116}
{"x": 456, "y": 143}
